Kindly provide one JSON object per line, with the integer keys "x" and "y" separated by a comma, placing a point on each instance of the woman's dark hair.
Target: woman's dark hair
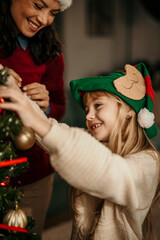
{"x": 44, "y": 46}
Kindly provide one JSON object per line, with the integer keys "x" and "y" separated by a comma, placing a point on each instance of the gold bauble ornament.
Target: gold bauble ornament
{"x": 25, "y": 139}
{"x": 16, "y": 218}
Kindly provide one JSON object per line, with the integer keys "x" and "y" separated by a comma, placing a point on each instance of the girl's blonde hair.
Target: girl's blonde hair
{"x": 126, "y": 137}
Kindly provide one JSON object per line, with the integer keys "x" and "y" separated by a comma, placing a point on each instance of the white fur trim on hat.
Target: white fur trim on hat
{"x": 64, "y": 4}
{"x": 145, "y": 118}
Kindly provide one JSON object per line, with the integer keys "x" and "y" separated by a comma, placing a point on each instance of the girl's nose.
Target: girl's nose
{"x": 90, "y": 115}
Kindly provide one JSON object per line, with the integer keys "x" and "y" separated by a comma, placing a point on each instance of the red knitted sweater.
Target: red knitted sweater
{"x": 50, "y": 74}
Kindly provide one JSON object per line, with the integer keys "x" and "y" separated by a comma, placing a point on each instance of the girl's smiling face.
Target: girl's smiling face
{"x": 101, "y": 114}
{"x": 32, "y": 15}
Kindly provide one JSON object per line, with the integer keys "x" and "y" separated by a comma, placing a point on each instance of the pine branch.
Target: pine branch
{"x": 3, "y": 75}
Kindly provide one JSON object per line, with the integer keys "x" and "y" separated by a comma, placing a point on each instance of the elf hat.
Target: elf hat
{"x": 133, "y": 85}
{"x": 64, "y": 4}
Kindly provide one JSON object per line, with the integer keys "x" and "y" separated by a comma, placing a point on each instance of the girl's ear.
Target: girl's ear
{"x": 129, "y": 114}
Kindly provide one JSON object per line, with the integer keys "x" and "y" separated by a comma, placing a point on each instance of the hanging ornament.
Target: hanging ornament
{"x": 25, "y": 139}
{"x": 16, "y": 218}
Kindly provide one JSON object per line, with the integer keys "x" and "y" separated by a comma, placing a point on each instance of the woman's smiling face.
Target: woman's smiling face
{"x": 32, "y": 15}
{"x": 101, "y": 115}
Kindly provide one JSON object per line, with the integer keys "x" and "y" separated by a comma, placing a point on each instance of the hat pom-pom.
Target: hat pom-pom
{"x": 145, "y": 118}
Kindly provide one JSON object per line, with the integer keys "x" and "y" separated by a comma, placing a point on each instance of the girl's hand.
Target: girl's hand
{"x": 20, "y": 104}
{"x": 12, "y": 79}
{"x": 16, "y": 76}
{"x": 38, "y": 92}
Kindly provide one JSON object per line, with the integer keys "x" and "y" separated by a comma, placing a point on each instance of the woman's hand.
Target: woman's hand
{"x": 20, "y": 104}
{"x": 38, "y": 92}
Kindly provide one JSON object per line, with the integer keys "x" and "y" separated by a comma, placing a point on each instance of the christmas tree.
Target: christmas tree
{"x": 14, "y": 224}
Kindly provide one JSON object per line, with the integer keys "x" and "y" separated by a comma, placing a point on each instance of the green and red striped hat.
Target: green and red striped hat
{"x": 132, "y": 84}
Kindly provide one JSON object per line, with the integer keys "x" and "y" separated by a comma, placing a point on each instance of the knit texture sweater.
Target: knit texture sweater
{"x": 51, "y": 75}
{"x": 125, "y": 186}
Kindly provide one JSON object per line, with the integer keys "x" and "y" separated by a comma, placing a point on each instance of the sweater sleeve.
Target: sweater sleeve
{"x": 43, "y": 116}
{"x": 54, "y": 82}
{"x": 90, "y": 166}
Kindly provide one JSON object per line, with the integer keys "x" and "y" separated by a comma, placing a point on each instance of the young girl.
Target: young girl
{"x": 30, "y": 48}
{"x": 113, "y": 168}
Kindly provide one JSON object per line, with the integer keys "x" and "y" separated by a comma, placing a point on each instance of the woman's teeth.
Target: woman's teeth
{"x": 32, "y": 24}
